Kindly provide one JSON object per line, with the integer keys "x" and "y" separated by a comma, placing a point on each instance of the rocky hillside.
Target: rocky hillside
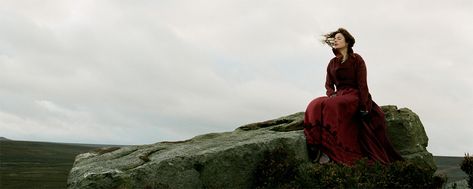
{"x": 224, "y": 160}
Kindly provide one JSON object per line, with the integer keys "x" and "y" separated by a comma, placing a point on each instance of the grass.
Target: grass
{"x": 26, "y": 164}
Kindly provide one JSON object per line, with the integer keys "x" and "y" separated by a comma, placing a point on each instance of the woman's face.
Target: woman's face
{"x": 339, "y": 41}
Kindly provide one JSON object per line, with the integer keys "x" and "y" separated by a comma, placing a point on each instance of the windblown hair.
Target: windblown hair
{"x": 349, "y": 39}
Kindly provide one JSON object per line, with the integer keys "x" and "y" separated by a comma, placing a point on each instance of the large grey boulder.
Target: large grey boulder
{"x": 220, "y": 160}
{"x": 406, "y": 132}
{"x": 216, "y": 160}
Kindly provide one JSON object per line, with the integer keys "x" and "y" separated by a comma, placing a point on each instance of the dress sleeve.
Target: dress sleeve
{"x": 362, "y": 84}
{"x": 329, "y": 84}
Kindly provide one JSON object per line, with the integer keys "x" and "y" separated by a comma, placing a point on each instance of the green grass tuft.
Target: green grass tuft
{"x": 467, "y": 167}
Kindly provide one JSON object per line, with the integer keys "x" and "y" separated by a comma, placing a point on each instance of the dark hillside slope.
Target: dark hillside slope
{"x": 26, "y": 164}
{"x": 450, "y": 166}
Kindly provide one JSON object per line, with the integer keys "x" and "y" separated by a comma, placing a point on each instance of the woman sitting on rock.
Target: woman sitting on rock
{"x": 346, "y": 125}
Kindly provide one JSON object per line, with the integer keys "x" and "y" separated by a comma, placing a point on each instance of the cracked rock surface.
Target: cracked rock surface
{"x": 222, "y": 160}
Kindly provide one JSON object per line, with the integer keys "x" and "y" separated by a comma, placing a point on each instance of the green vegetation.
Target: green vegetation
{"x": 467, "y": 167}
{"x": 279, "y": 170}
{"x": 37, "y": 164}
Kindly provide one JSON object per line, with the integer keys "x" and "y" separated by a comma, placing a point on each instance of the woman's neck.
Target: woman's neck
{"x": 344, "y": 53}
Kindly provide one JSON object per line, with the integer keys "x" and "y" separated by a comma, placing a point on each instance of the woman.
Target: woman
{"x": 346, "y": 125}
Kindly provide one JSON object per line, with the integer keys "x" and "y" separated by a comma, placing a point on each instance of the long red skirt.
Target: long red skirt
{"x": 333, "y": 124}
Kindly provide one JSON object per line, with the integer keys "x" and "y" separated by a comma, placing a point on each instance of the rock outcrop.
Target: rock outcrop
{"x": 223, "y": 160}
{"x": 406, "y": 132}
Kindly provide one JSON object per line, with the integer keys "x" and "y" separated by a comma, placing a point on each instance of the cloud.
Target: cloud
{"x": 141, "y": 72}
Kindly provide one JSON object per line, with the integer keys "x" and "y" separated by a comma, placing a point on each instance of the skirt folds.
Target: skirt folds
{"x": 334, "y": 125}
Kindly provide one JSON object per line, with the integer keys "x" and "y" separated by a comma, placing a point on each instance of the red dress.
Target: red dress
{"x": 333, "y": 123}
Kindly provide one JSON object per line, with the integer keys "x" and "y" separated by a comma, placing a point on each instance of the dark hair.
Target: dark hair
{"x": 349, "y": 39}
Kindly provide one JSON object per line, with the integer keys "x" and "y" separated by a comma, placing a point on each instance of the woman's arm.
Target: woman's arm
{"x": 362, "y": 84}
{"x": 329, "y": 84}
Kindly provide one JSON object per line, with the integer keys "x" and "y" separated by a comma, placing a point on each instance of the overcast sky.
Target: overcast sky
{"x": 139, "y": 72}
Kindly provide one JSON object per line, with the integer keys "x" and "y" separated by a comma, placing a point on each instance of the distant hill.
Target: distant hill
{"x": 450, "y": 166}
{"x": 26, "y": 164}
